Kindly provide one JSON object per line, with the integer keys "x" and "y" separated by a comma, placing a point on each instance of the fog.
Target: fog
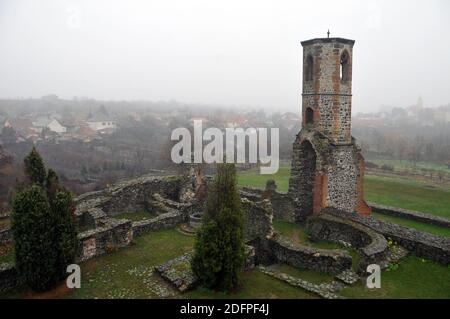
{"x": 237, "y": 53}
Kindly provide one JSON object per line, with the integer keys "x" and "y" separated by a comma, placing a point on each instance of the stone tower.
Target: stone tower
{"x": 327, "y": 166}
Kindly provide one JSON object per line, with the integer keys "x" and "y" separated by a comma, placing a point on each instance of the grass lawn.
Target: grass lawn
{"x": 397, "y": 192}
{"x": 408, "y": 194}
{"x": 433, "y": 229}
{"x": 255, "y": 179}
{"x": 255, "y": 284}
{"x": 402, "y": 165}
{"x": 414, "y": 278}
{"x": 6, "y": 253}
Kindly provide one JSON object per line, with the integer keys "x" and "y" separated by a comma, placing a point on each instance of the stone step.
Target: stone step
{"x": 186, "y": 230}
{"x": 396, "y": 253}
{"x": 320, "y": 290}
{"x": 348, "y": 276}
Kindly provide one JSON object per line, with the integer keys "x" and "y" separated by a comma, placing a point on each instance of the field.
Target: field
{"x": 402, "y": 165}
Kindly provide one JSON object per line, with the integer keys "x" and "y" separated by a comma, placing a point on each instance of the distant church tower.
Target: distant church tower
{"x": 327, "y": 167}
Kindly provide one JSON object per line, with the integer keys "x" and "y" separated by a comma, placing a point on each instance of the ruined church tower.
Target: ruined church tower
{"x": 327, "y": 167}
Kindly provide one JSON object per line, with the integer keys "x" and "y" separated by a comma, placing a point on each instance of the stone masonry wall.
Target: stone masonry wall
{"x": 422, "y": 244}
{"x": 257, "y": 219}
{"x": 160, "y": 222}
{"x": 115, "y": 234}
{"x": 372, "y": 247}
{"x": 326, "y": 93}
{"x": 413, "y": 215}
{"x": 342, "y": 178}
{"x": 305, "y": 257}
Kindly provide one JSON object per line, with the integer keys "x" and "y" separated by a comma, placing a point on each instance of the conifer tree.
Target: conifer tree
{"x": 65, "y": 231}
{"x": 35, "y": 168}
{"x": 33, "y": 231}
{"x": 43, "y": 226}
{"x": 219, "y": 249}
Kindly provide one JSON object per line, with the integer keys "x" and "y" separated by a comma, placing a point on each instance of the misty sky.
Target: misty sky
{"x": 239, "y": 53}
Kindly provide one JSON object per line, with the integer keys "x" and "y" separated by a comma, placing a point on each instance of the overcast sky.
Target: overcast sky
{"x": 228, "y": 52}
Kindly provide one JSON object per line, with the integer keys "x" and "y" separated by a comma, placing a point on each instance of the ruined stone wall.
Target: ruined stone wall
{"x": 372, "y": 247}
{"x": 257, "y": 219}
{"x": 282, "y": 205}
{"x": 161, "y": 222}
{"x": 412, "y": 215}
{"x": 333, "y": 181}
{"x": 342, "y": 178}
{"x": 114, "y": 234}
{"x": 305, "y": 257}
{"x": 422, "y": 244}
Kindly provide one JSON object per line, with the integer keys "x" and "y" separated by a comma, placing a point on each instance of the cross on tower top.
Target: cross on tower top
{"x": 328, "y": 33}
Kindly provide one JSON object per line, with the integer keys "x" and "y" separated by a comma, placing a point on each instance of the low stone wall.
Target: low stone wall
{"x": 5, "y": 236}
{"x": 422, "y": 244}
{"x": 282, "y": 204}
{"x": 305, "y": 257}
{"x": 114, "y": 234}
{"x": 410, "y": 214}
{"x": 257, "y": 219}
{"x": 130, "y": 195}
{"x": 8, "y": 277}
{"x": 372, "y": 247}
{"x": 283, "y": 207}
{"x": 164, "y": 221}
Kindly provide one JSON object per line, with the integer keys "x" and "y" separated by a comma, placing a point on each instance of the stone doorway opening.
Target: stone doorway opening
{"x": 307, "y": 163}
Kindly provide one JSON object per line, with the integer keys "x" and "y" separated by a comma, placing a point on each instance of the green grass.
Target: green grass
{"x": 257, "y": 285}
{"x": 408, "y": 194}
{"x": 308, "y": 275}
{"x": 254, "y": 179}
{"x": 397, "y": 192}
{"x": 415, "y": 278}
{"x": 126, "y": 273}
{"x": 433, "y": 229}
{"x": 6, "y": 253}
{"x": 402, "y": 165}
{"x": 135, "y": 216}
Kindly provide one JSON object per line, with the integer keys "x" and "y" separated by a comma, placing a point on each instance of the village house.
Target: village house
{"x": 52, "y": 124}
{"x": 100, "y": 122}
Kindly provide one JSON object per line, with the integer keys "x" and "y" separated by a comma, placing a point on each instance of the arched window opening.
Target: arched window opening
{"x": 309, "y": 71}
{"x": 309, "y": 116}
{"x": 345, "y": 60}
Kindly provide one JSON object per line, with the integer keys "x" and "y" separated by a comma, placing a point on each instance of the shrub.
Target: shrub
{"x": 33, "y": 231}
